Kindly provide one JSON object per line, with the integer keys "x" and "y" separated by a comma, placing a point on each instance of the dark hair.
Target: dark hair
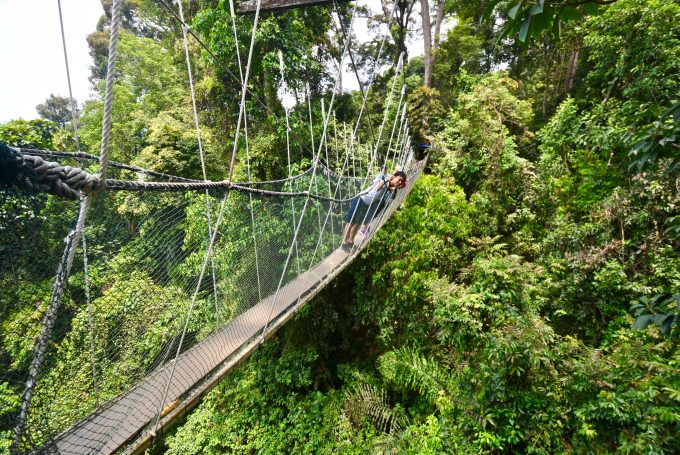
{"x": 401, "y": 174}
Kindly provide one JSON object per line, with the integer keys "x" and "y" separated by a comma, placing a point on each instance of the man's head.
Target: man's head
{"x": 398, "y": 180}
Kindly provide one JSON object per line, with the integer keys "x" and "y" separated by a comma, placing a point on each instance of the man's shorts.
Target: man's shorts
{"x": 360, "y": 213}
{"x": 357, "y": 211}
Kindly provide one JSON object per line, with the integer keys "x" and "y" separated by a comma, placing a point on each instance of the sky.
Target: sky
{"x": 33, "y": 57}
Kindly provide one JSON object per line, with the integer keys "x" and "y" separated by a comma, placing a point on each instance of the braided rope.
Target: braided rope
{"x": 36, "y": 174}
{"x": 110, "y": 79}
{"x": 60, "y": 284}
{"x": 129, "y": 167}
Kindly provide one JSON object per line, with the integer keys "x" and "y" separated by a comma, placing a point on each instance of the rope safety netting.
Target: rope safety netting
{"x": 137, "y": 288}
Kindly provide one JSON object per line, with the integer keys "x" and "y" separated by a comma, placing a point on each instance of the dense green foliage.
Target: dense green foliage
{"x": 525, "y": 299}
{"x": 495, "y": 312}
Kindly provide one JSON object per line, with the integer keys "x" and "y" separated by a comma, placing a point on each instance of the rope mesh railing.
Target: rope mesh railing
{"x": 161, "y": 280}
{"x": 144, "y": 253}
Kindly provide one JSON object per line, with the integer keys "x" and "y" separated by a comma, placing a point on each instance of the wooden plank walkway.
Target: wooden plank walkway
{"x": 121, "y": 420}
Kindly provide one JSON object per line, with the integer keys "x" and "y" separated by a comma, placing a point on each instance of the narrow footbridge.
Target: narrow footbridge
{"x": 135, "y": 291}
{"x": 199, "y": 368}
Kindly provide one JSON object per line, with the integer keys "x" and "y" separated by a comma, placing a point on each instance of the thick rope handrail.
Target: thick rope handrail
{"x": 108, "y": 93}
{"x": 129, "y": 167}
{"x": 32, "y": 172}
{"x": 90, "y": 157}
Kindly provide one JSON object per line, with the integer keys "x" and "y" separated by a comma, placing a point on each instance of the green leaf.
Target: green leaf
{"x": 667, "y": 323}
{"x": 537, "y": 8}
{"x": 525, "y": 27}
{"x": 643, "y": 321}
{"x": 543, "y": 21}
{"x": 513, "y": 11}
{"x": 569, "y": 13}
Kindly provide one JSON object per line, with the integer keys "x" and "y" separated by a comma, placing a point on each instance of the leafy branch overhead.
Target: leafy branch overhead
{"x": 529, "y": 19}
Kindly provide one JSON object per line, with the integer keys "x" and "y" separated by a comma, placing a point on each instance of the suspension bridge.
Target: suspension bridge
{"x": 163, "y": 284}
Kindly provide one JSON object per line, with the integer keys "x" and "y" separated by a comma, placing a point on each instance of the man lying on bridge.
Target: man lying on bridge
{"x": 369, "y": 203}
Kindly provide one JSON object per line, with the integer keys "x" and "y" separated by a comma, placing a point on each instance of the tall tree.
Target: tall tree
{"x": 59, "y": 109}
{"x": 430, "y": 43}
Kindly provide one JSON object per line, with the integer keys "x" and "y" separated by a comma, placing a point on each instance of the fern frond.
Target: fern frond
{"x": 369, "y": 402}
{"x": 407, "y": 368}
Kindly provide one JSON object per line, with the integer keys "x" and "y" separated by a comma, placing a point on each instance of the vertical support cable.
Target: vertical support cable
{"x": 74, "y": 119}
{"x": 314, "y": 169}
{"x": 72, "y": 101}
{"x": 72, "y": 240}
{"x": 328, "y": 162}
{"x": 311, "y": 135}
{"x": 374, "y": 152}
{"x": 95, "y": 386}
{"x": 200, "y": 151}
{"x": 335, "y": 128}
{"x": 223, "y": 205}
{"x": 60, "y": 283}
{"x": 394, "y": 125}
{"x": 282, "y": 68}
{"x": 247, "y": 144}
{"x": 337, "y": 159}
{"x": 373, "y": 73}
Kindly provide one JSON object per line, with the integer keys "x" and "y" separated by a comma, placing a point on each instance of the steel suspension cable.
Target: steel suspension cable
{"x": 74, "y": 121}
{"x": 292, "y": 202}
{"x": 373, "y": 72}
{"x": 394, "y": 125}
{"x": 219, "y": 217}
{"x": 245, "y": 133}
{"x": 72, "y": 101}
{"x": 316, "y": 162}
{"x": 374, "y": 152}
{"x": 200, "y": 151}
{"x": 72, "y": 240}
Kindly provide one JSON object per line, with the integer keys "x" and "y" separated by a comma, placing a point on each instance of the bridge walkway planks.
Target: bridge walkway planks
{"x": 122, "y": 419}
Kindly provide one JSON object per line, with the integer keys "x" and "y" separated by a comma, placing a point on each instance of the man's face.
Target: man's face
{"x": 397, "y": 182}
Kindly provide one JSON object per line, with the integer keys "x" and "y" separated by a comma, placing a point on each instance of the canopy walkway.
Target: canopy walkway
{"x": 165, "y": 283}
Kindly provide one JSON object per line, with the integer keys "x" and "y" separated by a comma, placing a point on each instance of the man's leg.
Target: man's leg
{"x": 345, "y": 236}
{"x": 353, "y": 229}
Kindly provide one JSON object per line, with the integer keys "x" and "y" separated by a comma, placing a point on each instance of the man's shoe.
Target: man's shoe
{"x": 347, "y": 247}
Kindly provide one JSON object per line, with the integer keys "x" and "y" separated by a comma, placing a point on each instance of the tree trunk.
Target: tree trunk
{"x": 573, "y": 60}
{"x": 549, "y": 52}
{"x": 439, "y": 18}
{"x": 427, "y": 41}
